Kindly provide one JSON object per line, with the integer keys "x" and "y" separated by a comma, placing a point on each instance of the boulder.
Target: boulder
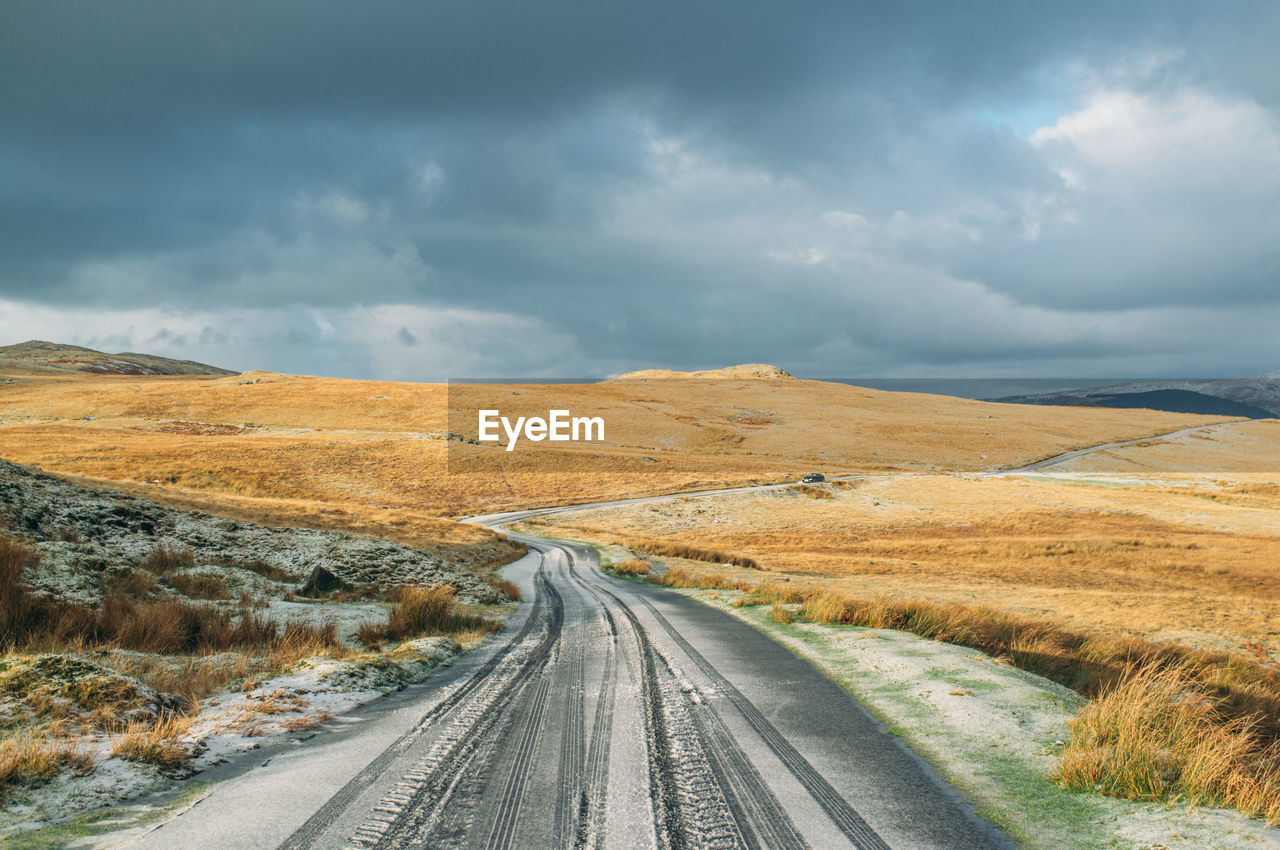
{"x": 321, "y": 581}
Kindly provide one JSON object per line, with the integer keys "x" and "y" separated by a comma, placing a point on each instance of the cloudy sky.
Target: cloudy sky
{"x": 435, "y": 188}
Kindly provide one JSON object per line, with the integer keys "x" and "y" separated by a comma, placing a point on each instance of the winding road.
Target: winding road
{"x": 607, "y": 714}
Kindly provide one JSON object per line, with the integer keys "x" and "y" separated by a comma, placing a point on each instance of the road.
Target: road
{"x": 1066, "y": 456}
{"x": 607, "y": 714}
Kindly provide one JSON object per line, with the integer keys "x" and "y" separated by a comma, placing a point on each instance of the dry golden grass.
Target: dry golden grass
{"x": 507, "y": 587}
{"x": 29, "y": 621}
{"x": 1180, "y": 560}
{"x": 32, "y": 758}
{"x": 200, "y": 586}
{"x": 419, "y": 611}
{"x": 632, "y": 567}
{"x": 782, "y": 614}
{"x": 163, "y": 559}
{"x": 306, "y": 722}
{"x": 1246, "y": 447}
{"x": 675, "y": 549}
{"x": 1160, "y": 733}
{"x": 155, "y": 742}
{"x": 367, "y": 455}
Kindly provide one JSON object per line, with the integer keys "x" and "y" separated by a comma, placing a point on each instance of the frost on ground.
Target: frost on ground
{"x": 87, "y": 537}
{"x": 995, "y": 732}
{"x": 317, "y": 690}
{"x": 91, "y": 578}
{"x": 233, "y": 722}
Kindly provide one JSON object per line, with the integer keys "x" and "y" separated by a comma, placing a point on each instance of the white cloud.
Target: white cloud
{"x": 1190, "y": 139}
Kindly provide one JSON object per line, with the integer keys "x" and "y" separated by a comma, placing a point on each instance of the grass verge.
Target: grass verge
{"x": 1167, "y": 722}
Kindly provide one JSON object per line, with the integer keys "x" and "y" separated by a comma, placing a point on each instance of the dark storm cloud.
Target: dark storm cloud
{"x": 836, "y": 187}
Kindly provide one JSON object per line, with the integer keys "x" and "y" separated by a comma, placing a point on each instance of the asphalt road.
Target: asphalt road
{"x": 607, "y": 714}
{"x": 1066, "y": 456}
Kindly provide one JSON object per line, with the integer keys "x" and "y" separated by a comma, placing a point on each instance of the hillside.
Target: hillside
{"x": 377, "y": 456}
{"x": 37, "y": 357}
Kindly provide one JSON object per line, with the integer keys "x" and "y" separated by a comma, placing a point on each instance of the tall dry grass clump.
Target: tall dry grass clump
{"x": 29, "y": 758}
{"x": 632, "y": 567}
{"x": 782, "y": 614}
{"x": 419, "y": 611}
{"x": 1159, "y": 733}
{"x": 200, "y": 586}
{"x": 157, "y": 742}
{"x": 163, "y": 559}
{"x": 15, "y": 556}
{"x": 693, "y": 553}
{"x": 506, "y": 587}
{"x": 683, "y": 577}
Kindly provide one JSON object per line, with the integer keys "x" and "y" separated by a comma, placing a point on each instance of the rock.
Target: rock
{"x": 321, "y": 581}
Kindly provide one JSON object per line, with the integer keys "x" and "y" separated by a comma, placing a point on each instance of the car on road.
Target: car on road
{"x": 813, "y": 478}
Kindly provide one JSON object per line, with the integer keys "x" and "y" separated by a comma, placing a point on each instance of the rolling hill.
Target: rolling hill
{"x": 38, "y": 357}
{"x": 1254, "y": 396}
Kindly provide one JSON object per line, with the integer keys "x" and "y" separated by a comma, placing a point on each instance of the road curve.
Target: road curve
{"x": 1071, "y": 455}
{"x": 607, "y": 714}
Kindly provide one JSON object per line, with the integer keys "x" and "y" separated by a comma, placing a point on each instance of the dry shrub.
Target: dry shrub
{"x": 306, "y": 722}
{"x": 419, "y": 611}
{"x": 254, "y": 565}
{"x": 769, "y": 593}
{"x": 162, "y": 559}
{"x": 304, "y": 638}
{"x": 693, "y": 553}
{"x": 154, "y": 743}
{"x": 632, "y": 567}
{"x": 782, "y": 614}
{"x": 165, "y": 627}
{"x": 200, "y": 585}
{"x": 195, "y": 677}
{"x": 1159, "y": 733}
{"x": 506, "y": 587}
{"x": 683, "y": 577}
{"x": 30, "y": 758}
{"x": 813, "y": 492}
{"x": 135, "y": 584}
{"x": 15, "y": 613}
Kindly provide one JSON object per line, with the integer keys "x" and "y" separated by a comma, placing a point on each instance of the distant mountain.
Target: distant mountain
{"x": 37, "y": 357}
{"x": 1254, "y": 396}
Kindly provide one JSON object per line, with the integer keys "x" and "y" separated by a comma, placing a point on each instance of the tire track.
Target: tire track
{"x": 590, "y": 826}
{"x": 755, "y": 806}
{"x": 835, "y": 806}
{"x": 503, "y": 831}
{"x": 407, "y": 814}
{"x": 328, "y": 814}
{"x": 731, "y": 785}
